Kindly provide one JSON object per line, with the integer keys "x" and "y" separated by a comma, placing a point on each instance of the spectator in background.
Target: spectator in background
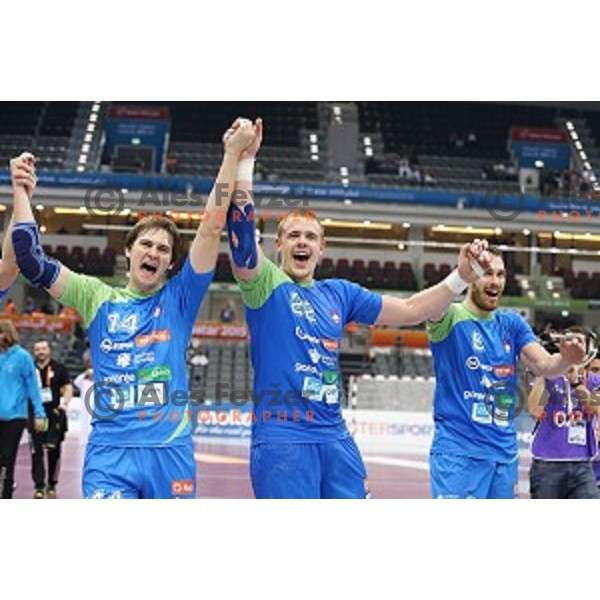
{"x": 29, "y": 305}
{"x": 564, "y": 439}
{"x": 228, "y": 312}
{"x": 18, "y": 383}
{"x": 57, "y": 392}
{"x": 10, "y": 308}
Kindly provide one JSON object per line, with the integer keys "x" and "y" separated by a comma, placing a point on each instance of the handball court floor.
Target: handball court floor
{"x": 223, "y": 473}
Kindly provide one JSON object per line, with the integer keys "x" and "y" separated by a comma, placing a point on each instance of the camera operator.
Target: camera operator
{"x": 564, "y": 438}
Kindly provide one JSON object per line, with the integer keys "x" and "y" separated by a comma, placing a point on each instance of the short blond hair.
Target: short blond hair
{"x": 305, "y": 214}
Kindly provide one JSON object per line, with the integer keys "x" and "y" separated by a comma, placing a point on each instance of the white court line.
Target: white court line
{"x": 397, "y": 462}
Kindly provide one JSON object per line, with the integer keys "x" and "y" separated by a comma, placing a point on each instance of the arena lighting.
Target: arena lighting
{"x": 369, "y": 151}
{"x": 583, "y": 155}
{"x": 526, "y": 232}
{"x": 363, "y": 225}
{"x": 539, "y": 164}
{"x": 579, "y": 145}
{"x": 313, "y": 138}
{"x": 406, "y": 225}
{"x": 587, "y": 165}
{"x": 468, "y": 230}
{"x": 570, "y": 125}
{"x": 389, "y": 243}
{"x": 39, "y": 207}
{"x": 575, "y": 136}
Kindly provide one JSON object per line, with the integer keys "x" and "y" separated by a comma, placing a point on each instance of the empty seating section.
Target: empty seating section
{"x": 582, "y": 285}
{"x": 92, "y": 261}
{"x": 43, "y": 128}
{"x": 451, "y": 141}
{"x": 195, "y": 129}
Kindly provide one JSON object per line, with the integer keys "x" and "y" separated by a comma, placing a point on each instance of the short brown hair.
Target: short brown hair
{"x": 8, "y": 330}
{"x": 302, "y": 213}
{"x": 150, "y": 223}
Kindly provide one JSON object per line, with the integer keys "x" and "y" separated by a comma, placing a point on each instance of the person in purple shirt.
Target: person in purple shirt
{"x": 593, "y": 383}
{"x": 564, "y": 440}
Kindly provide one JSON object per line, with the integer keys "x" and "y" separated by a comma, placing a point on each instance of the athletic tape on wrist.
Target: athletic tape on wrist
{"x": 455, "y": 283}
{"x": 245, "y": 170}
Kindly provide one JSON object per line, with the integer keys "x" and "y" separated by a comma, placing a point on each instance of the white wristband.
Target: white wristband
{"x": 245, "y": 170}
{"x": 456, "y": 284}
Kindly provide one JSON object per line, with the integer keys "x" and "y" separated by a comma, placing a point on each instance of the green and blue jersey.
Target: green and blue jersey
{"x": 476, "y": 395}
{"x": 138, "y": 344}
{"x": 295, "y": 334}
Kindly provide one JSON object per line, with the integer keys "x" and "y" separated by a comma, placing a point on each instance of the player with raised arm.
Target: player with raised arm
{"x": 301, "y": 447}
{"x": 476, "y": 349}
{"x": 141, "y": 444}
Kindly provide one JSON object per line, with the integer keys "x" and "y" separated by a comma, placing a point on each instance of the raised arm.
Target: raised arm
{"x": 23, "y": 183}
{"x": 541, "y": 363}
{"x": 205, "y": 247}
{"x": 41, "y": 271}
{"x": 431, "y": 304}
{"x": 247, "y": 255}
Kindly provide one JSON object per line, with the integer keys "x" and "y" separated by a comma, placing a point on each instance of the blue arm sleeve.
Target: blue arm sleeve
{"x": 242, "y": 223}
{"x": 41, "y": 271}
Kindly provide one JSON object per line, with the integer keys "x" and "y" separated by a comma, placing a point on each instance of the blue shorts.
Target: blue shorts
{"x": 325, "y": 470}
{"x": 463, "y": 477}
{"x": 150, "y": 473}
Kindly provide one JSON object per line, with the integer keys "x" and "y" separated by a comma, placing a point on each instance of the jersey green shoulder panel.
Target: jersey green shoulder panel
{"x": 256, "y": 292}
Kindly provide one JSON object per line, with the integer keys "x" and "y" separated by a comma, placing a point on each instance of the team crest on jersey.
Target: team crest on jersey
{"x": 335, "y": 317}
{"x": 302, "y": 308}
{"x": 477, "y": 342}
{"x": 157, "y": 312}
{"x": 507, "y": 346}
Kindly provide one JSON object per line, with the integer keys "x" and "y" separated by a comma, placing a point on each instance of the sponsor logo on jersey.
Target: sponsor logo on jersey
{"x": 156, "y": 337}
{"x": 314, "y": 356}
{"x": 331, "y": 377}
{"x": 331, "y": 345}
{"x": 473, "y": 363}
{"x": 119, "y": 378}
{"x": 159, "y": 373}
{"x": 504, "y": 371}
{"x": 300, "y": 368}
{"x": 182, "y": 487}
{"x": 124, "y": 360}
{"x": 144, "y": 357}
{"x": 306, "y": 337}
{"x": 107, "y": 345}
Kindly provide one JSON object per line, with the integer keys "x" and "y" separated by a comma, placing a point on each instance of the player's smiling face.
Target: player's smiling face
{"x": 150, "y": 257}
{"x": 301, "y": 245}
{"x": 487, "y": 291}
